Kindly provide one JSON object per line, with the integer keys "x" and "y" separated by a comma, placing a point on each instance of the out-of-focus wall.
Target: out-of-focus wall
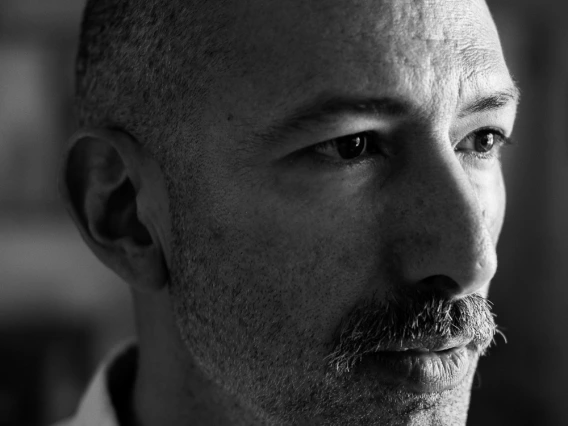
{"x": 61, "y": 310}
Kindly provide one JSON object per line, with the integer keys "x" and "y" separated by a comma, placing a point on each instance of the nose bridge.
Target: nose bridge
{"x": 449, "y": 236}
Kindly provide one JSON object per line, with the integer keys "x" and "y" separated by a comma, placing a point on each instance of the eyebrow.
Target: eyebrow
{"x": 492, "y": 102}
{"x": 326, "y": 108}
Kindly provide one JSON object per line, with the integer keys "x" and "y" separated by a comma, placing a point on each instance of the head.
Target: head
{"x": 296, "y": 192}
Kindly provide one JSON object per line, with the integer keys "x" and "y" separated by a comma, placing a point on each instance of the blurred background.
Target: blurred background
{"x": 61, "y": 310}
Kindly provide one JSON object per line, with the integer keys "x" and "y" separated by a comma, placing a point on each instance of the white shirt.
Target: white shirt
{"x": 112, "y": 381}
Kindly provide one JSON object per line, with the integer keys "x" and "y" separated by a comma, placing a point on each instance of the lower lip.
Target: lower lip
{"x": 420, "y": 372}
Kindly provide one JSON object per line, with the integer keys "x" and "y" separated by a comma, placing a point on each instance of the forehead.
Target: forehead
{"x": 432, "y": 52}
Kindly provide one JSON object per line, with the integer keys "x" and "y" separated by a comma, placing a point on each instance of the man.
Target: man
{"x": 305, "y": 198}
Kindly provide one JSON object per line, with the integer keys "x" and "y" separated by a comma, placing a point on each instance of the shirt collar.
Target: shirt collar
{"x": 110, "y": 385}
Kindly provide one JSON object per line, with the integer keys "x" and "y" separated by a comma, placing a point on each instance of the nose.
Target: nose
{"x": 444, "y": 242}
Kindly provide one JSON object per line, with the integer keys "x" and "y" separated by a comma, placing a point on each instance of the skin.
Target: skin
{"x": 243, "y": 263}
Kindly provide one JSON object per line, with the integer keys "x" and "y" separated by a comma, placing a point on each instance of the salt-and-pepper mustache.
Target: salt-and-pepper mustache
{"x": 403, "y": 320}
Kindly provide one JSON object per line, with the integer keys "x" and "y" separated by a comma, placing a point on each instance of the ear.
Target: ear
{"x": 116, "y": 194}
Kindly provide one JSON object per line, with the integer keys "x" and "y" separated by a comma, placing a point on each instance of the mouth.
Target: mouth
{"x": 422, "y": 367}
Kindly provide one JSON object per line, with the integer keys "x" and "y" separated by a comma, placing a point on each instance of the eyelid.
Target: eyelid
{"x": 503, "y": 139}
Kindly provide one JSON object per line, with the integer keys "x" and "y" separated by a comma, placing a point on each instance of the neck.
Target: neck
{"x": 169, "y": 387}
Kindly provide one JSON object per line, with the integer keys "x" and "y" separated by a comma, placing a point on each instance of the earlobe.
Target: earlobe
{"x": 106, "y": 182}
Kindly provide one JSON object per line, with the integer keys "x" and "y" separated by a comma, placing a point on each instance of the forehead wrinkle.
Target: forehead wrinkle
{"x": 444, "y": 27}
{"x": 446, "y": 45}
{"x": 422, "y": 47}
{"x": 348, "y": 28}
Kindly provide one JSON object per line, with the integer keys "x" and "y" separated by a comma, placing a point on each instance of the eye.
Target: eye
{"x": 350, "y": 147}
{"x": 485, "y": 141}
{"x": 483, "y": 144}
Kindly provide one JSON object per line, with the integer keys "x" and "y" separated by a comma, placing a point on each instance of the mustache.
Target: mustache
{"x": 373, "y": 327}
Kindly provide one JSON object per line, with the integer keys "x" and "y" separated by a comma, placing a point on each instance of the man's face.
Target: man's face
{"x": 346, "y": 171}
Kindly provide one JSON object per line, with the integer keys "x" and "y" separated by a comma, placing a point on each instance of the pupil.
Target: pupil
{"x": 351, "y": 147}
{"x": 485, "y": 142}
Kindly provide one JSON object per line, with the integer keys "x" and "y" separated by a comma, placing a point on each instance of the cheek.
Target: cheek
{"x": 311, "y": 255}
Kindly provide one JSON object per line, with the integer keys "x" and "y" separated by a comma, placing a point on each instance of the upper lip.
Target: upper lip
{"x": 430, "y": 344}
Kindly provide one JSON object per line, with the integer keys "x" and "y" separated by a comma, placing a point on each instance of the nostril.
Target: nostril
{"x": 440, "y": 285}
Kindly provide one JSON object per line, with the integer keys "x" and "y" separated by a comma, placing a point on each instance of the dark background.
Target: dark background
{"x": 61, "y": 310}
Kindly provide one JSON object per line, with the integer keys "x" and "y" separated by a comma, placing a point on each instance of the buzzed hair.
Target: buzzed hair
{"x": 144, "y": 66}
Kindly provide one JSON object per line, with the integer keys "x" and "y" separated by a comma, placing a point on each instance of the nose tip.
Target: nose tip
{"x": 453, "y": 282}
{"x": 456, "y": 265}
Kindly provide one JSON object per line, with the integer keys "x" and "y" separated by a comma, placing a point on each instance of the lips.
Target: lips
{"x": 428, "y": 345}
{"x": 422, "y": 367}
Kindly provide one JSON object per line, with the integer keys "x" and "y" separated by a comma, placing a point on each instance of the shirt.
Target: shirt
{"x": 111, "y": 383}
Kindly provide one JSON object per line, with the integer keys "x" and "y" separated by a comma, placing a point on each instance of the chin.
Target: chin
{"x": 359, "y": 399}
